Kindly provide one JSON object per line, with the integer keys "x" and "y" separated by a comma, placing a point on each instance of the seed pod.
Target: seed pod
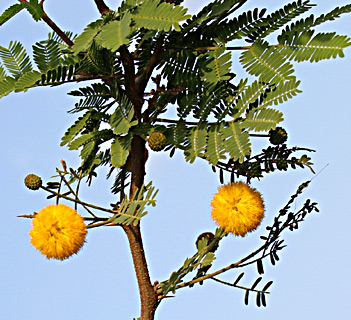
{"x": 33, "y": 182}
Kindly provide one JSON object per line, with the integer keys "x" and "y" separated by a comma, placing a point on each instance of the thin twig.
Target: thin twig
{"x": 79, "y": 201}
{"x": 74, "y": 193}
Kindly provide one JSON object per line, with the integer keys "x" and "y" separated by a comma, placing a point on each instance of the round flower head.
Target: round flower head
{"x": 237, "y": 208}
{"x": 58, "y": 231}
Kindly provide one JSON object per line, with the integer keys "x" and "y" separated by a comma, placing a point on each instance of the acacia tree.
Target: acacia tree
{"x": 139, "y": 61}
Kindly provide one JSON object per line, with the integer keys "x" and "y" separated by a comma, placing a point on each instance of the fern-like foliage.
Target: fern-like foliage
{"x": 34, "y": 8}
{"x": 219, "y": 66}
{"x": 10, "y": 12}
{"x": 121, "y": 119}
{"x": 86, "y": 38}
{"x": 15, "y": 59}
{"x": 277, "y": 19}
{"x": 311, "y": 21}
{"x": 120, "y": 149}
{"x": 265, "y": 61}
{"x": 47, "y": 55}
{"x": 116, "y": 33}
{"x": 131, "y": 211}
{"x": 96, "y": 96}
{"x": 156, "y": 15}
{"x": 304, "y": 47}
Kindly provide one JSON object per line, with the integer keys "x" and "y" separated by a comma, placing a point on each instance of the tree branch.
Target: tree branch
{"x": 53, "y": 26}
{"x": 102, "y": 7}
{"x": 154, "y": 60}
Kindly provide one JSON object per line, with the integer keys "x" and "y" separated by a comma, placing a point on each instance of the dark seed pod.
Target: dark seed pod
{"x": 277, "y": 136}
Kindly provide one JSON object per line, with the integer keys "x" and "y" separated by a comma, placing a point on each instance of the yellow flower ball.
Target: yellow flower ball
{"x": 58, "y": 231}
{"x": 237, "y": 208}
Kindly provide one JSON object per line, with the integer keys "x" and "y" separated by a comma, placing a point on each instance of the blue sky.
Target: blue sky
{"x": 310, "y": 281}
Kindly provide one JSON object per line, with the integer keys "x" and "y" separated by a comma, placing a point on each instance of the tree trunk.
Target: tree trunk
{"x": 148, "y": 296}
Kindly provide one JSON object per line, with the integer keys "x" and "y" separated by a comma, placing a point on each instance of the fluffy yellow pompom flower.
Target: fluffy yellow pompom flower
{"x": 237, "y": 208}
{"x": 58, "y": 231}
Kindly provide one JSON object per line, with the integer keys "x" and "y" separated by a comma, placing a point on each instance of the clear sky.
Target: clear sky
{"x": 311, "y": 281}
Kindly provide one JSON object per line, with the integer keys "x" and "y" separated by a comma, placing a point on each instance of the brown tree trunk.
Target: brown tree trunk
{"x": 135, "y": 93}
{"x": 148, "y": 296}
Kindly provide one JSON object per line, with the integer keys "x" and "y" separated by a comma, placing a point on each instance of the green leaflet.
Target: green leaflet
{"x": 121, "y": 119}
{"x": 35, "y": 9}
{"x": 277, "y": 19}
{"x": 10, "y": 12}
{"x": 302, "y": 47}
{"x": 131, "y": 211}
{"x": 94, "y": 96}
{"x": 116, "y": 33}
{"x": 244, "y": 25}
{"x": 120, "y": 150}
{"x": 75, "y": 129}
{"x": 220, "y": 64}
{"x": 210, "y": 12}
{"x": 6, "y": 86}
{"x": 262, "y": 119}
{"x": 176, "y": 134}
{"x": 266, "y": 62}
{"x": 15, "y": 59}
{"x": 236, "y": 141}
{"x": 248, "y": 96}
{"x": 307, "y": 23}
{"x": 281, "y": 93}
{"x": 91, "y": 136}
{"x": 215, "y": 147}
{"x": 58, "y": 76}
{"x": 197, "y": 137}
{"x": 2, "y": 73}
{"x": 88, "y": 150}
{"x": 47, "y": 55}
{"x": 27, "y": 80}
{"x": 85, "y": 39}
{"x": 153, "y": 15}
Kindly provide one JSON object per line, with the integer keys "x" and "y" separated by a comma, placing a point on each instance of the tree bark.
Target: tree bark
{"x": 148, "y": 296}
